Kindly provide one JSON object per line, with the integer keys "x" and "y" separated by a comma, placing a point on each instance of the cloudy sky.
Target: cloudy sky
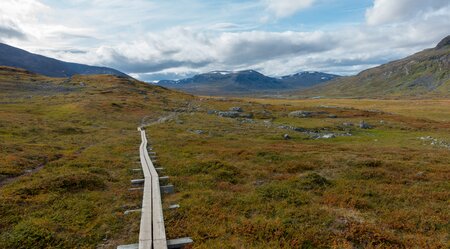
{"x": 155, "y": 39}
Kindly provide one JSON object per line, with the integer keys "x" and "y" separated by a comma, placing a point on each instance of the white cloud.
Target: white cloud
{"x": 181, "y": 51}
{"x": 285, "y": 8}
{"x": 18, "y": 16}
{"x": 389, "y": 11}
{"x": 132, "y": 37}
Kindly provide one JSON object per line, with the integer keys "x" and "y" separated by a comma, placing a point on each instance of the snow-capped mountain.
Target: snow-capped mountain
{"x": 247, "y": 81}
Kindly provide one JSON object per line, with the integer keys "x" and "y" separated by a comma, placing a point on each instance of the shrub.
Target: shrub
{"x": 312, "y": 181}
{"x": 76, "y": 182}
{"x": 219, "y": 170}
{"x": 33, "y": 233}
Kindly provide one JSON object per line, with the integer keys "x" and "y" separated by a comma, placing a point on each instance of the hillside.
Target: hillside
{"x": 268, "y": 174}
{"x": 15, "y": 57}
{"x": 424, "y": 74}
{"x": 66, "y": 156}
{"x": 245, "y": 82}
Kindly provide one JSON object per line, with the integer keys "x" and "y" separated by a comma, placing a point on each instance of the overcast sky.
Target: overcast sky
{"x": 156, "y": 39}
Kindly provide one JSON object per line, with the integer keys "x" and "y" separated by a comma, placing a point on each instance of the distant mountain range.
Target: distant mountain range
{"x": 424, "y": 74}
{"x": 245, "y": 82}
{"x": 15, "y": 57}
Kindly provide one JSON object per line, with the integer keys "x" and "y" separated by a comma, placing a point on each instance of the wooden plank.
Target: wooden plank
{"x": 179, "y": 243}
{"x": 132, "y": 211}
{"x": 146, "y": 228}
{"x": 159, "y": 231}
{"x": 152, "y": 234}
{"x": 132, "y": 246}
{"x": 137, "y": 181}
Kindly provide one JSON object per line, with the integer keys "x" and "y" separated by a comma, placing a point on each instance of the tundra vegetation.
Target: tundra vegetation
{"x": 68, "y": 147}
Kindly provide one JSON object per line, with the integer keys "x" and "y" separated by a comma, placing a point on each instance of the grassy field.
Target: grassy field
{"x": 67, "y": 150}
{"x": 68, "y": 147}
{"x": 241, "y": 185}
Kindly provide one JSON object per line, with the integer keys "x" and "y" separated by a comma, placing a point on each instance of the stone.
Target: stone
{"x": 364, "y": 125}
{"x": 286, "y": 137}
{"x": 329, "y": 135}
{"x": 299, "y": 129}
{"x": 236, "y": 109}
{"x": 246, "y": 115}
{"x": 300, "y": 114}
{"x": 229, "y": 114}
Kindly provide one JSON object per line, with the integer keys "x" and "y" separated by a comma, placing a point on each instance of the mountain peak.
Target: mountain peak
{"x": 245, "y": 82}
{"x": 444, "y": 42}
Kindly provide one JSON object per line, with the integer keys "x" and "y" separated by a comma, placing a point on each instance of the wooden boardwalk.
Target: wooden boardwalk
{"x": 152, "y": 234}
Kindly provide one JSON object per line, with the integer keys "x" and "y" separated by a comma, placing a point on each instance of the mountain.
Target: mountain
{"x": 15, "y": 57}
{"x": 424, "y": 74}
{"x": 307, "y": 79}
{"x": 244, "y": 82}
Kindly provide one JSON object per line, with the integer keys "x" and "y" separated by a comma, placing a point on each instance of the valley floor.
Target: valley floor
{"x": 240, "y": 182}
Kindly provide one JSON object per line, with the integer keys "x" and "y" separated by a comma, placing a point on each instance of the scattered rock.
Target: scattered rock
{"x": 199, "y": 132}
{"x": 347, "y": 124}
{"x": 235, "y": 114}
{"x": 259, "y": 182}
{"x": 364, "y": 125}
{"x": 212, "y": 112}
{"x": 300, "y": 114}
{"x": 246, "y": 115}
{"x": 435, "y": 142}
{"x": 82, "y": 84}
{"x": 299, "y": 129}
{"x": 247, "y": 121}
{"x": 230, "y": 114}
{"x": 329, "y": 135}
{"x": 332, "y": 116}
{"x": 236, "y": 109}
{"x": 286, "y": 137}
{"x": 420, "y": 174}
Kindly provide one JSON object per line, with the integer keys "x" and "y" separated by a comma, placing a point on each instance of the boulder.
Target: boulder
{"x": 246, "y": 115}
{"x": 229, "y": 114}
{"x": 236, "y": 109}
{"x": 286, "y": 137}
{"x": 300, "y": 114}
{"x": 364, "y": 125}
{"x": 329, "y": 135}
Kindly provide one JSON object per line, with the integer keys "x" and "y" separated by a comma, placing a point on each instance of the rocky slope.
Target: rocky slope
{"x": 424, "y": 74}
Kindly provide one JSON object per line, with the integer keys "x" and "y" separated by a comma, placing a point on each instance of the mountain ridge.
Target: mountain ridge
{"x": 245, "y": 82}
{"x": 425, "y": 73}
{"x": 19, "y": 58}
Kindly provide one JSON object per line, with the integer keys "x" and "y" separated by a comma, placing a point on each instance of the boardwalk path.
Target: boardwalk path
{"x": 152, "y": 232}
